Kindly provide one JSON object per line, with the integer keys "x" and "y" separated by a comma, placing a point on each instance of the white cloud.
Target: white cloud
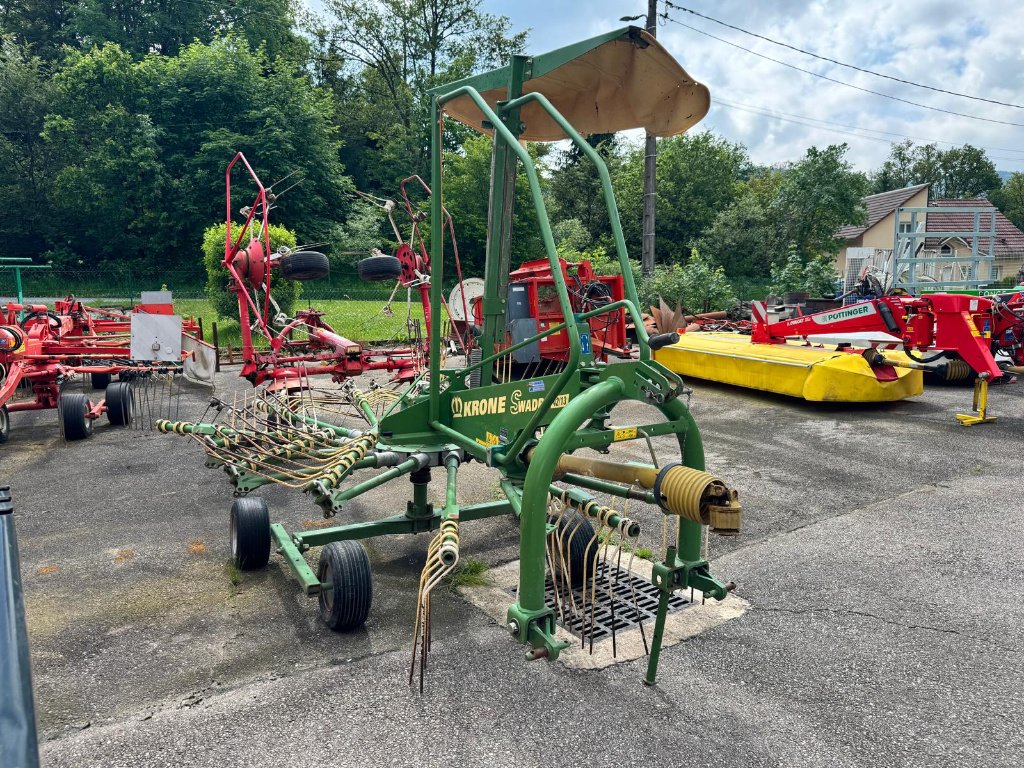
{"x": 975, "y": 49}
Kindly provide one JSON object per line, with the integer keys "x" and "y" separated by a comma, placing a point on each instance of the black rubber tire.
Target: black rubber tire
{"x": 250, "y": 533}
{"x": 120, "y": 409}
{"x": 345, "y": 604}
{"x": 99, "y": 380}
{"x": 304, "y": 265}
{"x": 5, "y": 424}
{"x": 71, "y": 408}
{"x": 380, "y": 268}
{"x": 579, "y": 546}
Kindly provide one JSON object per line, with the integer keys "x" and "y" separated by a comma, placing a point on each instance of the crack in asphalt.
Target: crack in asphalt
{"x": 891, "y": 622}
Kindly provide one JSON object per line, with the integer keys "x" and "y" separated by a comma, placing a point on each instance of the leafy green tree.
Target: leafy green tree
{"x": 26, "y": 164}
{"x": 1010, "y": 199}
{"x": 394, "y": 52}
{"x": 817, "y": 276}
{"x": 168, "y": 26}
{"x": 958, "y": 172}
{"x": 574, "y": 190}
{"x": 744, "y": 238}
{"x": 967, "y": 172}
{"x": 698, "y": 176}
{"x": 276, "y": 117}
{"x": 816, "y": 196}
{"x": 466, "y": 186}
{"x": 43, "y": 27}
{"x": 704, "y": 285}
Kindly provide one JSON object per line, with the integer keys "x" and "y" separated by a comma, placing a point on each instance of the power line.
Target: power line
{"x": 842, "y": 63}
{"x": 840, "y": 82}
{"x": 761, "y": 112}
{"x": 775, "y": 112}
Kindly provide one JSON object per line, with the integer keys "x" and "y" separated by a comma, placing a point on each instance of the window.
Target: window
{"x": 946, "y": 249}
{"x": 904, "y": 227}
{"x": 995, "y": 273}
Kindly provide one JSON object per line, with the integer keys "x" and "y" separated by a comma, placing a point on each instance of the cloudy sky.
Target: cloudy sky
{"x": 972, "y": 48}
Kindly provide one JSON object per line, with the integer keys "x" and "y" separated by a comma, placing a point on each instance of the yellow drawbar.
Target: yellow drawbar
{"x": 816, "y": 373}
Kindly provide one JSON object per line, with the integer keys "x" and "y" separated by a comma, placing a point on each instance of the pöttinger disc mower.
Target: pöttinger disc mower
{"x": 538, "y": 435}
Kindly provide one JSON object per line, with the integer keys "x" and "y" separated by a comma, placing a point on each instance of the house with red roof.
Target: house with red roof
{"x": 1008, "y": 247}
{"x": 879, "y": 231}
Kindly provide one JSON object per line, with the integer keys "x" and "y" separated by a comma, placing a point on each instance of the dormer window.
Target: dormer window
{"x": 946, "y": 249}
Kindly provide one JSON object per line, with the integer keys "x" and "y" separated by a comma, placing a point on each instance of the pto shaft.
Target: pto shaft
{"x": 683, "y": 491}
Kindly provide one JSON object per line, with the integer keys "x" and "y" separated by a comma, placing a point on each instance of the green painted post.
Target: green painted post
{"x": 501, "y": 206}
{"x": 533, "y": 520}
{"x": 436, "y": 259}
{"x": 17, "y": 280}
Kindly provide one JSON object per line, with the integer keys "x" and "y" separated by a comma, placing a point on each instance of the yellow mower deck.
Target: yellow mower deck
{"x": 819, "y": 374}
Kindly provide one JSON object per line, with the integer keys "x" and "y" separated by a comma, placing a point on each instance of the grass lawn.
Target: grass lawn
{"x": 359, "y": 320}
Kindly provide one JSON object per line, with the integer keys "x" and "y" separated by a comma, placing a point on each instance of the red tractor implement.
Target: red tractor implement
{"x": 42, "y": 349}
{"x": 532, "y": 308}
{"x": 935, "y": 331}
{"x": 305, "y": 345}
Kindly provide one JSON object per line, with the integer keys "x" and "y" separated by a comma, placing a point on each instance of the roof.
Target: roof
{"x": 879, "y": 206}
{"x": 1009, "y": 239}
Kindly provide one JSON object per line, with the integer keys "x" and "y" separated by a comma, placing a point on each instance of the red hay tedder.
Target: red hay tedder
{"x": 42, "y": 349}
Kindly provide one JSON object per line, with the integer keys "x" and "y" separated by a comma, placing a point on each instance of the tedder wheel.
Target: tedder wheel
{"x": 99, "y": 380}
{"x": 5, "y": 424}
{"x": 345, "y": 604}
{"x": 304, "y": 265}
{"x": 250, "y": 533}
{"x": 380, "y": 268}
{"x": 119, "y": 403}
{"x": 73, "y": 407}
{"x": 579, "y": 545}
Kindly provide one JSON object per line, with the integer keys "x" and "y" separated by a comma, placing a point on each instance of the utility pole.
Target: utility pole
{"x": 650, "y": 168}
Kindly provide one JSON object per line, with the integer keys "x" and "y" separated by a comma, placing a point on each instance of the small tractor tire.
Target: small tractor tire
{"x": 578, "y": 544}
{"x": 120, "y": 408}
{"x": 304, "y": 265}
{"x": 345, "y": 603}
{"x": 72, "y": 408}
{"x": 99, "y": 380}
{"x": 250, "y": 533}
{"x": 380, "y": 268}
{"x": 5, "y": 424}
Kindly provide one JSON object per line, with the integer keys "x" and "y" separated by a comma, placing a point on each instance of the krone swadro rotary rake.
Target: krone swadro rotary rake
{"x": 536, "y": 434}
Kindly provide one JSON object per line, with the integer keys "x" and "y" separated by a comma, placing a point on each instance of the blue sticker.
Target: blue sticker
{"x": 585, "y": 343}
{"x": 536, "y": 386}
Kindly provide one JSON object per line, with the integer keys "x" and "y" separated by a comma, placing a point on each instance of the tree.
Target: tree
{"x": 1010, "y": 199}
{"x": 744, "y": 238}
{"x": 466, "y": 186}
{"x": 168, "y": 26}
{"x": 967, "y": 172}
{"x": 698, "y": 176}
{"x": 574, "y": 191}
{"x": 958, "y": 172}
{"x": 816, "y": 197}
{"x": 396, "y": 50}
{"x": 42, "y": 27}
{"x": 26, "y": 165}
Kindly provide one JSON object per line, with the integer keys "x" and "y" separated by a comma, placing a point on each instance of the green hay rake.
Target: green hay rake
{"x": 537, "y": 434}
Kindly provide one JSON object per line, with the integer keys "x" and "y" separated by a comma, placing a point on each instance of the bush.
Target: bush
{"x": 699, "y": 286}
{"x": 817, "y": 277}
{"x": 285, "y": 292}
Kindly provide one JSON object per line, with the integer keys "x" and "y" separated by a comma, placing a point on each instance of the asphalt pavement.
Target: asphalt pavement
{"x": 879, "y": 557}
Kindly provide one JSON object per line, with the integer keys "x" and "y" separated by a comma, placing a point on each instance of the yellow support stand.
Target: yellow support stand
{"x": 980, "y": 406}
